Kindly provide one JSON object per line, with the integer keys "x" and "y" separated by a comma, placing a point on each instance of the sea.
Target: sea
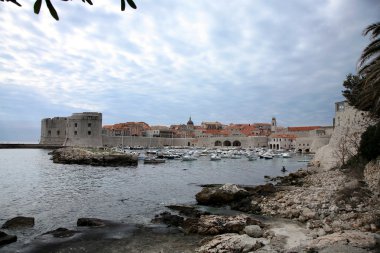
{"x": 56, "y": 195}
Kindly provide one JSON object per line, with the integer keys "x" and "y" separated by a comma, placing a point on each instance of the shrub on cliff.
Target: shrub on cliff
{"x": 370, "y": 143}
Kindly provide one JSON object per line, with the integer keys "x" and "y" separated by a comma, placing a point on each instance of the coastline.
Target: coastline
{"x": 305, "y": 213}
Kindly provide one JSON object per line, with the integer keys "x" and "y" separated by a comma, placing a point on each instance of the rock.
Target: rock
{"x": 253, "y": 231}
{"x": 220, "y": 195}
{"x": 215, "y": 224}
{"x": 352, "y": 238}
{"x": 189, "y": 211}
{"x": 6, "y": 239}
{"x": 169, "y": 219}
{"x": 93, "y": 157}
{"x": 19, "y": 222}
{"x": 261, "y": 190}
{"x": 90, "y": 222}
{"x": 228, "y": 243}
{"x": 61, "y": 233}
{"x": 308, "y": 214}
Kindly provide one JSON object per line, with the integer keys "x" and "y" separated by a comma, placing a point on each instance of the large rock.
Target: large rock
{"x": 230, "y": 243}
{"x": 93, "y": 157}
{"x": 61, "y": 233}
{"x": 19, "y": 222}
{"x": 6, "y": 239}
{"x": 220, "y": 195}
{"x": 351, "y": 238}
{"x": 218, "y": 224}
{"x": 90, "y": 222}
{"x": 253, "y": 231}
{"x": 169, "y": 219}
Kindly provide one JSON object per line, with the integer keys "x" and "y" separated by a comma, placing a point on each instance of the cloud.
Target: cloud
{"x": 165, "y": 61}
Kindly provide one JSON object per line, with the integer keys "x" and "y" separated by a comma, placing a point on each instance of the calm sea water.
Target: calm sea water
{"x": 57, "y": 195}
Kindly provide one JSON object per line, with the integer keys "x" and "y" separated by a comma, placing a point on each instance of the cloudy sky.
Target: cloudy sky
{"x": 238, "y": 61}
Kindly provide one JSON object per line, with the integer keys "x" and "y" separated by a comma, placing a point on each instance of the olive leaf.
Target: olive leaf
{"x": 37, "y": 6}
{"x": 132, "y": 4}
{"x": 53, "y": 12}
{"x": 122, "y": 5}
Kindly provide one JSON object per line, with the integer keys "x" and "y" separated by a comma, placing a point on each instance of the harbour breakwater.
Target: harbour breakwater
{"x": 28, "y": 145}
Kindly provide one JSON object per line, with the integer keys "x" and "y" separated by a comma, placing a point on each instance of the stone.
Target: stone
{"x": 230, "y": 242}
{"x": 352, "y": 238}
{"x": 254, "y": 231}
{"x": 189, "y": 211}
{"x": 220, "y": 195}
{"x": 61, "y": 233}
{"x": 19, "y": 222}
{"x": 6, "y": 239}
{"x": 90, "y": 222}
{"x": 218, "y": 224}
{"x": 169, "y": 219}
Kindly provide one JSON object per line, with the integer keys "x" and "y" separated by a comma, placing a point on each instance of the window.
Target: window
{"x": 89, "y": 132}
{"x": 58, "y": 132}
{"x": 49, "y": 133}
{"x": 89, "y": 124}
{"x": 75, "y": 124}
{"x": 75, "y": 133}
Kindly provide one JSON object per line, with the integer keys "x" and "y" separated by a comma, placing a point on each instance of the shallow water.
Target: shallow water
{"x": 57, "y": 195}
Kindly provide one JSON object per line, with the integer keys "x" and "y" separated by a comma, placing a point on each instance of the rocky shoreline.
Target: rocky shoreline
{"x": 307, "y": 211}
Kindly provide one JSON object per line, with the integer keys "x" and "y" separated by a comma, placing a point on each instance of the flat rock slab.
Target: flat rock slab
{"x": 6, "y": 239}
{"x": 19, "y": 222}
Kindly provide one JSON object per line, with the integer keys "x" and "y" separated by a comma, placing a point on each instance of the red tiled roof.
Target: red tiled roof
{"x": 304, "y": 128}
{"x": 288, "y": 136}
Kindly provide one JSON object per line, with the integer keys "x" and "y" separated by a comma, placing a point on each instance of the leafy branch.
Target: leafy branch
{"x": 53, "y": 12}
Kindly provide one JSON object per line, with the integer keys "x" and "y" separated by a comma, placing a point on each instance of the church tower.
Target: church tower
{"x": 273, "y": 126}
{"x": 190, "y": 124}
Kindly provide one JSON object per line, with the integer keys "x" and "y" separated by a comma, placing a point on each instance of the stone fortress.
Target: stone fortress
{"x": 86, "y": 130}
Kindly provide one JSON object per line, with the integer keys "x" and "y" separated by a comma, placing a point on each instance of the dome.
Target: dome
{"x": 190, "y": 122}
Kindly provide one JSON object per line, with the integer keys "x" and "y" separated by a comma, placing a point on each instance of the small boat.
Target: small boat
{"x": 286, "y": 155}
{"x": 236, "y": 156}
{"x": 188, "y": 158}
{"x": 252, "y": 157}
{"x": 153, "y": 160}
{"x": 215, "y": 157}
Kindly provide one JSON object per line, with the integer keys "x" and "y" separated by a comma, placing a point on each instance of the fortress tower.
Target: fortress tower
{"x": 80, "y": 129}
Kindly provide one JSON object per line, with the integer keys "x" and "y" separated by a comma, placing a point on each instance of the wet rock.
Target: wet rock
{"x": 169, "y": 219}
{"x": 253, "y": 231}
{"x": 19, "y": 222}
{"x": 90, "y": 222}
{"x": 214, "y": 224}
{"x": 228, "y": 243}
{"x": 6, "y": 239}
{"x": 189, "y": 211}
{"x": 261, "y": 190}
{"x": 61, "y": 233}
{"x": 220, "y": 195}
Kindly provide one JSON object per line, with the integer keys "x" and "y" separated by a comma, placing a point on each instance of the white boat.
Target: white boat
{"x": 268, "y": 155}
{"x": 188, "y": 158}
{"x": 215, "y": 157}
{"x": 286, "y": 155}
{"x": 235, "y": 156}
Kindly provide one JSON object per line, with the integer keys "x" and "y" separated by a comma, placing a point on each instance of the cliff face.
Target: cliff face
{"x": 349, "y": 125}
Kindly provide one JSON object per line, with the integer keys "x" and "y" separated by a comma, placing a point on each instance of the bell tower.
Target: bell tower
{"x": 273, "y": 126}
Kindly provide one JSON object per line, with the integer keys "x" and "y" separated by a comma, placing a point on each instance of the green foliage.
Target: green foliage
{"x": 354, "y": 86}
{"x": 370, "y": 143}
{"x": 53, "y": 12}
{"x": 369, "y": 68}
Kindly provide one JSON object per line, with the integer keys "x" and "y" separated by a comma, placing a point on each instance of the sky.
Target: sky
{"x": 240, "y": 61}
